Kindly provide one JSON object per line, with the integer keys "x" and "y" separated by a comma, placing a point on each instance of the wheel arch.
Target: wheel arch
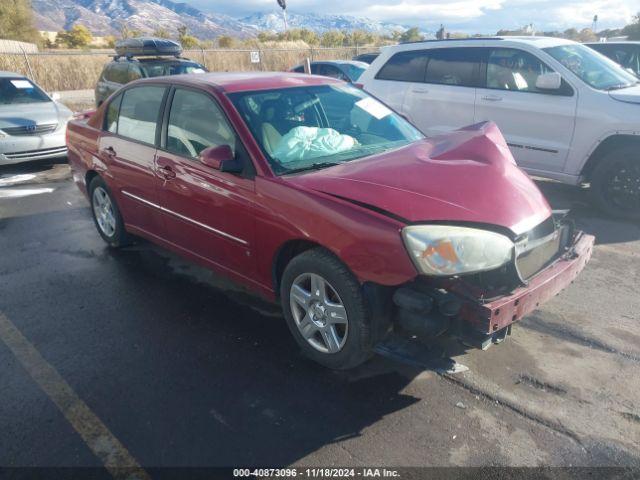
{"x": 605, "y": 147}
{"x": 88, "y": 177}
{"x": 285, "y": 254}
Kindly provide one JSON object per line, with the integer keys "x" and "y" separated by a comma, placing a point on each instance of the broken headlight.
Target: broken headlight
{"x": 445, "y": 250}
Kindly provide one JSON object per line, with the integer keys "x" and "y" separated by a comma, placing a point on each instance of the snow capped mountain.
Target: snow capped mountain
{"x": 319, "y": 23}
{"x": 108, "y": 17}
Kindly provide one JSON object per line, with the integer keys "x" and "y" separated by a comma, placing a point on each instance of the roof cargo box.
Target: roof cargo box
{"x": 133, "y": 47}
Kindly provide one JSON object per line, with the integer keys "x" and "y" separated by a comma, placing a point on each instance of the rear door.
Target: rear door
{"x": 128, "y": 147}
{"x": 538, "y": 124}
{"x": 443, "y": 100}
{"x": 208, "y": 213}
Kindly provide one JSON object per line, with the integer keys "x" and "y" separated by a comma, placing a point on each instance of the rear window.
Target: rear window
{"x": 453, "y": 66}
{"x": 404, "y": 67}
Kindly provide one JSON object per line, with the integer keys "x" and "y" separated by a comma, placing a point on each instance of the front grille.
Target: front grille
{"x": 41, "y": 129}
{"x": 45, "y": 152}
{"x": 537, "y": 248}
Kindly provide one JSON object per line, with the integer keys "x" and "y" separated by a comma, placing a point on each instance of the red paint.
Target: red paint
{"x": 243, "y": 223}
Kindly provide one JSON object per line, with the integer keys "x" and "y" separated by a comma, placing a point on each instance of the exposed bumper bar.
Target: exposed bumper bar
{"x": 500, "y": 313}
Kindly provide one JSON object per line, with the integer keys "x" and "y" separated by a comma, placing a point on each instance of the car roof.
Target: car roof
{"x": 231, "y": 82}
{"x": 4, "y": 74}
{"x": 539, "y": 42}
{"x": 615, "y": 42}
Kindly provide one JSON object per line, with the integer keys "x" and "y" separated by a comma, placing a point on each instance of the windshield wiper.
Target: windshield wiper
{"x": 313, "y": 166}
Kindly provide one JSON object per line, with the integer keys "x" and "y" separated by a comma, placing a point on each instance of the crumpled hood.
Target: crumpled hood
{"x": 17, "y": 115}
{"x": 628, "y": 95}
{"x": 465, "y": 176}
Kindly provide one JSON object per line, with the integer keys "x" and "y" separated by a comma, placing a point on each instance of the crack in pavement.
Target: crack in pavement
{"x": 476, "y": 390}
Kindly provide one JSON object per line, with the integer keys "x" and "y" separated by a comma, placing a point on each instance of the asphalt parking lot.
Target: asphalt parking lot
{"x": 177, "y": 367}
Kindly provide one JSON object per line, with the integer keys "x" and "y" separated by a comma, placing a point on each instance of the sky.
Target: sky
{"x": 471, "y": 16}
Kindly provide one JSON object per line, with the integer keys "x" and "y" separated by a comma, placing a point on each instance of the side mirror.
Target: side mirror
{"x": 221, "y": 158}
{"x": 549, "y": 81}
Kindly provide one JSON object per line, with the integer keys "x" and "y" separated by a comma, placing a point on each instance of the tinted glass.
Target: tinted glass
{"x": 404, "y": 67}
{"x": 117, "y": 73}
{"x": 20, "y": 90}
{"x": 111, "y": 117}
{"x": 313, "y": 127}
{"x": 453, "y": 66}
{"x": 139, "y": 112}
{"x": 622, "y": 54}
{"x": 592, "y": 68}
{"x": 195, "y": 123}
{"x": 354, "y": 71}
{"x": 331, "y": 71}
{"x": 134, "y": 72}
{"x": 171, "y": 68}
{"x": 513, "y": 69}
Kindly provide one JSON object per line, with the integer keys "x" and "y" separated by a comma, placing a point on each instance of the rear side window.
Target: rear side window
{"x": 117, "y": 72}
{"x": 453, "y": 66}
{"x": 404, "y": 67}
{"x": 139, "y": 112}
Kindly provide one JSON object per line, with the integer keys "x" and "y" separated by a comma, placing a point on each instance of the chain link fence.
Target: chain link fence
{"x": 79, "y": 70}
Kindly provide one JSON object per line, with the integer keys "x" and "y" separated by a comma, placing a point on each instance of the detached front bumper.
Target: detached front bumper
{"x": 480, "y": 322}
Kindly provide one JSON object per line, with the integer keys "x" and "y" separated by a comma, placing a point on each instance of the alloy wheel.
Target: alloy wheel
{"x": 103, "y": 211}
{"x": 319, "y": 313}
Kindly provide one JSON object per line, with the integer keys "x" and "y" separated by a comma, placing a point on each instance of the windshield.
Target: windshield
{"x": 592, "y": 68}
{"x": 177, "y": 68}
{"x": 20, "y": 90}
{"x": 318, "y": 126}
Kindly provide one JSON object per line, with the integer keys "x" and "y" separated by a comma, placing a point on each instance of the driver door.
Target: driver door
{"x": 208, "y": 213}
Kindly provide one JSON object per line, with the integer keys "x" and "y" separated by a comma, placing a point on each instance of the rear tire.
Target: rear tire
{"x": 106, "y": 214}
{"x": 615, "y": 183}
{"x": 325, "y": 310}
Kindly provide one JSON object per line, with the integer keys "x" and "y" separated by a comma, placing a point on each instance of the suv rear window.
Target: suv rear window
{"x": 453, "y": 66}
{"x": 117, "y": 72}
{"x": 404, "y": 67}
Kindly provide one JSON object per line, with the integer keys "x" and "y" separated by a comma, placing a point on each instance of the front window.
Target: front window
{"x": 20, "y": 90}
{"x": 315, "y": 127}
{"x": 592, "y": 68}
{"x": 175, "y": 68}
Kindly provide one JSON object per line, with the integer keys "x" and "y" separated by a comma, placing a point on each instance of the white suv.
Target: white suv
{"x": 567, "y": 112}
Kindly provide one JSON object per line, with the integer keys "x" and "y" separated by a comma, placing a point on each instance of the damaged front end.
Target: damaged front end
{"x": 479, "y": 308}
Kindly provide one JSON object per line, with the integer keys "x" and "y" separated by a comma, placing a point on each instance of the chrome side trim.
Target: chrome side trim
{"x": 186, "y": 219}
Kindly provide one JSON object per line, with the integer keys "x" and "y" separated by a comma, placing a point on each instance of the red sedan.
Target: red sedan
{"x": 308, "y": 190}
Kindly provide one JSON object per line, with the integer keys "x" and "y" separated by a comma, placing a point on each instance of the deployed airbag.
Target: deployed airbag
{"x": 304, "y": 143}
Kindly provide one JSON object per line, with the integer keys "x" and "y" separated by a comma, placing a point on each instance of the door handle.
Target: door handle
{"x": 109, "y": 152}
{"x": 492, "y": 98}
{"x": 166, "y": 172}
{"x": 420, "y": 90}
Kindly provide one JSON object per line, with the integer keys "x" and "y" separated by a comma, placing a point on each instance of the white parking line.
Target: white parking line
{"x": 115, "y": 457}
{"x": 13, "y": 179}
{"x": 23, "y": 192}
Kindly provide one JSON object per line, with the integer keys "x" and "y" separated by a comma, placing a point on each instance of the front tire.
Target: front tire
{"x": 615, "y": 183}
{"x": 325, "y": 310}
{"x": 106, "y": 215}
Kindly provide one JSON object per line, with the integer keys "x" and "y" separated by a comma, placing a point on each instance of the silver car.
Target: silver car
{"x": 32, "y": 124}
